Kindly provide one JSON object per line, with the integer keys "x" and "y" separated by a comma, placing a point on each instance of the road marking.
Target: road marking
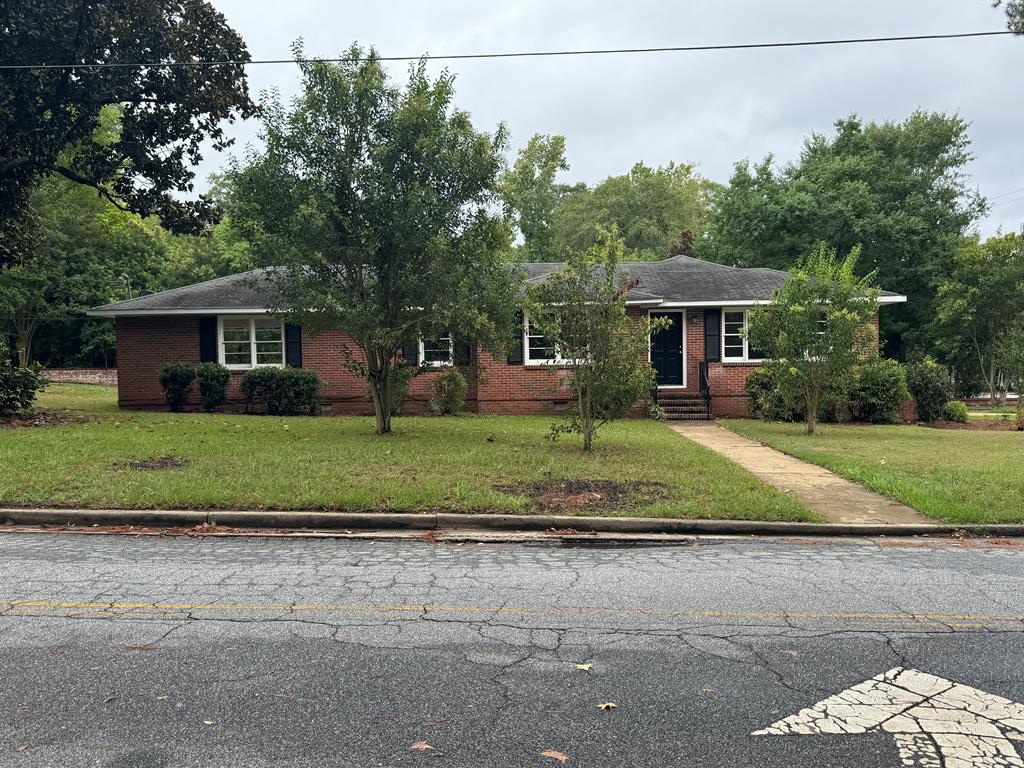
{"x": 934, "y": 722}
{"x": 10, "y": 607}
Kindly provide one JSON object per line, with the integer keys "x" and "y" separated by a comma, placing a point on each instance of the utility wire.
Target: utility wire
{"x": 514, "y": 54}
{"x": 1007, "y": 194}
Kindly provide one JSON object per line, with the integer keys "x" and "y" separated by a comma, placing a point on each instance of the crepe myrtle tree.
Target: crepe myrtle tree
{"x": 582, "y": 309}
{"x": 816, "y": 329}
{"x": 377, "y": 204}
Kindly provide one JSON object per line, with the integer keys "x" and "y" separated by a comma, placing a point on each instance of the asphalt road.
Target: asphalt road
{"x": 132, "y": 652}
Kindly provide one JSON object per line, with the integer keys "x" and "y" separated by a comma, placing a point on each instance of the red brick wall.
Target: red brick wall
{"x": 145, "y": 344}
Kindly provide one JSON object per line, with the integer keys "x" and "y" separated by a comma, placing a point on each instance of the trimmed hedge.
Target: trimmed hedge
{"x": 879, "y": 392}
{"x": 956, "y": 411}
{"x": 932, "y": 387}
{"x": 176, "y": 380}
{"x": 449, "y": 393}
{"x": 213, "y": 385}
{"x": 282, "y": 391}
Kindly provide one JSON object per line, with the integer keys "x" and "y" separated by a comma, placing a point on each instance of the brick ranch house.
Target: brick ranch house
{"x": 702, "y": 360}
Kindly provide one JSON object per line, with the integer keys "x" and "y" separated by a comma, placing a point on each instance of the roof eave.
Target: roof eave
{"x": 115, "y": 312}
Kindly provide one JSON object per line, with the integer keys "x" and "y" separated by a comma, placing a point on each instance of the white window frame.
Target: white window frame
{"x": 252, "y": 344}
{"x": 527, "y": 360}
{"x": 745, "y": 358}
{"x": 439, "y": 363}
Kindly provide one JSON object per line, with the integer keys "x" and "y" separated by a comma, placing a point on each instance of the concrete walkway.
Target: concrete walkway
{"x": 838, "y": 499}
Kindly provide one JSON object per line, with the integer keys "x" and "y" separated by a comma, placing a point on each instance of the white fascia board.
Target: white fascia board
{"x": 160, "y": 312}
{"x": 892, "y": 299}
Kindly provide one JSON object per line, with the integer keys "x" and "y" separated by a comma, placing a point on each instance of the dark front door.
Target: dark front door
{"x": 667, "y": 351}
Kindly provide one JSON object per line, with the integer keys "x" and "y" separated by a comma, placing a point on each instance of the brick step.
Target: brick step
{"x": 705, "y": 416}
{"x": 681, "y": 399}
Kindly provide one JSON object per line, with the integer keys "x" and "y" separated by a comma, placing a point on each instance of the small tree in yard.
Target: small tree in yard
{"x": 1010, "y": 357}
{"x": 817, "y": 329}
{"x": 583, "y": 308}
{"x": 378, "y": 203}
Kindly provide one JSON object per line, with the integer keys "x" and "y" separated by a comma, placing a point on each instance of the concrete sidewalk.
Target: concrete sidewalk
{"x": 818, "y": 489}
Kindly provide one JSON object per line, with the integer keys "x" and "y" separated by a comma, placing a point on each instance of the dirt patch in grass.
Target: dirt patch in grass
{"x": 41, "y": 417}
{"x": 976, "y": 425}
{"x": 581, "y": 496}
{"x": 152, "y": 463}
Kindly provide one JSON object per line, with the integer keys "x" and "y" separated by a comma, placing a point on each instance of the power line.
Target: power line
{"x": 516, "y": 54}
{"x": 1007, "y": 202}
{"x": 1007, "y": 194}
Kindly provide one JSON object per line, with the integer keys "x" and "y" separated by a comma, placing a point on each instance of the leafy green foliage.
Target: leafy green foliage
{"x": 982, "y": 297}
{"x": 19, "y": 385}
{"x": 897, "y": 189}
{"x": 399, "y": 378}
{"x": 650, "y": 208}
{"x": 816, "y": 328}
{"x": 281, "y": 391}
{"x": 930, "y": 385}
{"x": 1014, "y": 14}
{"x": 166, "y": 113}
{"x": 603, "y": 350}
{"x": 213, "y": 381}
{"x": 955, "y": 410}
{"x": 531, "y": 195}
{"x": 767, "y": 400}
{"x": 176, "y": 380}
{"x": 879, "y": 391}
{"x": 449, "y": 393}
{"x": 377, "y": 201}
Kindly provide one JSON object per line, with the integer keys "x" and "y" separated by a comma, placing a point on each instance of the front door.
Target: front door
{"x": 667, "y": 350}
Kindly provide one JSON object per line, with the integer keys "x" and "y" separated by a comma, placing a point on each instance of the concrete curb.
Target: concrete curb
{"x": 344, "y": 521}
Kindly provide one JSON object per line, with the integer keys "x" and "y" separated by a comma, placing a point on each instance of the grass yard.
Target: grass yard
{"x": 337, "y": 463}
{"x": 957, "y": 476}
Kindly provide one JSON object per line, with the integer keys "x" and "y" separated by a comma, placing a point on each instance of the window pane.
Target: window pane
{"x": 437, "y": 350}
{"x": 269, "y": 354}
{"x": 541, "y": 348}
{"x": 236, "y": 330}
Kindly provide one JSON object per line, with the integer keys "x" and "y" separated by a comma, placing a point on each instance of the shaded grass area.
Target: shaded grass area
{"x": 951, "y": 475}
{"x": 337, "y": 463}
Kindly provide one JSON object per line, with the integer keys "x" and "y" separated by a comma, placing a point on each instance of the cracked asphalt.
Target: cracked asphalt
{"x": 132, "y": 652}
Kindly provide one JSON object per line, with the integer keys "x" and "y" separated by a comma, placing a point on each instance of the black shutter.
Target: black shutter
{"x": 463, "y": 351}
{"x": 411, "y": 352}
{"x": 293, "y": 345}
{"x": 515, "y": 350}
{"x": 208, "y": 339}
{"x": 713, "y": 335}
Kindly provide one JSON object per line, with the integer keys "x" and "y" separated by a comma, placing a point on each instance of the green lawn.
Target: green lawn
{"x": 337, "y": 463}
{"x": 958, "y": 476}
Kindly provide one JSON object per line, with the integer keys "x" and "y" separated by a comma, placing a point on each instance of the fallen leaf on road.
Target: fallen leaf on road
{"x": 554, "y": 754}
{"x": 286, "y": 696}
{"x": 607, "y": 705}
{"x": 162, "y": 697}
{"x": 51, "y": 652}
{"x": 138, "y": 647}
{"x": 207, "y": 722}
{"x": 21, "y": 748}
{"x": 109, "y": 699}
{"x": 708, "y": 690}
{"x": 584, "y": 667}
{"x": 420, "y": 745}
{"x": 430, "y": 537}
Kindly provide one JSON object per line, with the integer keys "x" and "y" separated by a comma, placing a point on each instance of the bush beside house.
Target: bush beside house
{"x": 18, "y": 386}
{"x": 931, "y": 386}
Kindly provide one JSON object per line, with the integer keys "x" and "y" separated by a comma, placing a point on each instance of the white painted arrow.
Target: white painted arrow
{"x": 935, "y": 722}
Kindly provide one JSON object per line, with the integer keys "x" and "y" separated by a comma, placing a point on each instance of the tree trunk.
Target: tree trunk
{"x": 586, "y": 417}
{"x": 25, "y": 330}
{"x": 811, "y": 413}
{"x": 379, "y": 391}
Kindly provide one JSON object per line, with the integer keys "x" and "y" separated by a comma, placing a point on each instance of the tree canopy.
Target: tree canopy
{"x": 166, "y": 112}
{"x": 899, "y": 190}
{"x": 377, "y": 203}
{"x": 531, "y": 195}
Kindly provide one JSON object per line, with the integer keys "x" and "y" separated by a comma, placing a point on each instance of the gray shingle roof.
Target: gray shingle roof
{"x": 679, "y": 280}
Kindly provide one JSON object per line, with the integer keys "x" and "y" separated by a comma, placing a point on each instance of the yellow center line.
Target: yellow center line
{"x": 960, "y": 619}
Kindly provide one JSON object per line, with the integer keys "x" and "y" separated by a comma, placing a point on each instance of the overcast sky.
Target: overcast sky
{"x": 709, "y": 108}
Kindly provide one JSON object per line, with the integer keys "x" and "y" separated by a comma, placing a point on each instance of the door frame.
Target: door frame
{"x": 683, "y": 356}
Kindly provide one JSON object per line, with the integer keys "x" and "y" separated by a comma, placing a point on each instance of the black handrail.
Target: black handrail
{"x": 705, "y": 386}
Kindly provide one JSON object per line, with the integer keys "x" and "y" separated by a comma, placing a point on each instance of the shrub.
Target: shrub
{"x": 282, "y": 391}
{"x": 176, "y": 380}
{"x": 400, "y": 375}
{"x": 449, "y": 393}
{"x": 18, "y": 386}
{"x": 213, "y": 385}
{"x": 932, "y": 387}
{"x": 956, "y": 411}
{"x": 766, "y": 400}
{"x": 879, "y": 392}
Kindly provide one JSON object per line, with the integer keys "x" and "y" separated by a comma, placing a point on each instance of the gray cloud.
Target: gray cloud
{"x": 707, "y": 108}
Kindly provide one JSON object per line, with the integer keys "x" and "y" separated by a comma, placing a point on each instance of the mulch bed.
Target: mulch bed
{"x": 573, "y": 496}
{"x": 976, "y": 425}
{"x": 41, "y": 417}
{"x": 152, "y": 463}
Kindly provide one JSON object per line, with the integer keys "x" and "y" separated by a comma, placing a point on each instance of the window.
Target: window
{"x": 247, "y": 342}
{"x": 735, "y": 345}
{"x": 539, "y": 348}
{"x": 437, "y": 352}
